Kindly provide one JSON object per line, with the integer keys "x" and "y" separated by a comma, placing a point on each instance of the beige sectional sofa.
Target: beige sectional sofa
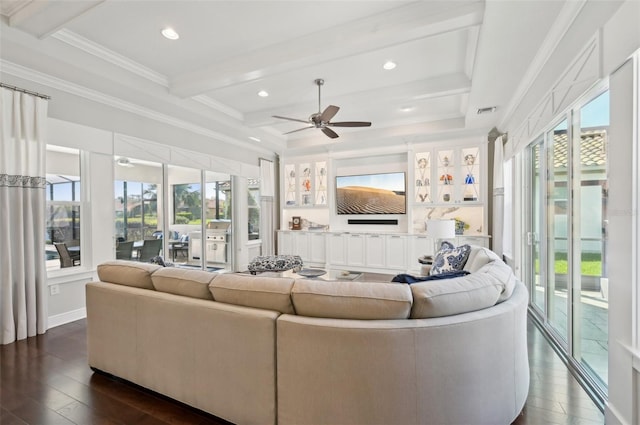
{"x": 275, "y": 350}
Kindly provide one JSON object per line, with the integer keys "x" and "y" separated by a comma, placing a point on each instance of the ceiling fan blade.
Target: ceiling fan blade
{"x": 300, "y": 129}
{"x": 290, "y": 119}
{"x": 350, "y": 124}
{"x": 329, "y": 112}
{"x": 330, "y": 132}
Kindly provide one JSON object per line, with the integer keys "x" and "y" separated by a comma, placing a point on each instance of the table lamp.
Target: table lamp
{"x": 440, "y": 230}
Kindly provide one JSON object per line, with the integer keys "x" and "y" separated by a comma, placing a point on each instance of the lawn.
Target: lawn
{"x": 591, "y": 264}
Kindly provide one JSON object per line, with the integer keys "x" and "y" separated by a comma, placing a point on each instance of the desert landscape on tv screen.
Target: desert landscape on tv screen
{"x": 385, "y": 196}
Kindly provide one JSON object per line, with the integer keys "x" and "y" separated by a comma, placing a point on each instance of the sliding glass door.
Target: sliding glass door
{"x": 566, "y": 236}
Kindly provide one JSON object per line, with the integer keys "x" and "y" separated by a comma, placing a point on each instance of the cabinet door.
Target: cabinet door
{"x": 470, "y": 176}
{"x": 337, "y": 249}
{"x": 374, "y": 251}
{"x": 422, "y": 174}
{"x": 420, "y": 246}
{"x": 396, "y": 252}
{"x": 446, "y": 176}
{"x": 355, "y": 250}
{"x": 290, "y": 185}
{"x": 301, "y": 244}
{"x": 317, "y": 248}
{"x": 285, "y": 243}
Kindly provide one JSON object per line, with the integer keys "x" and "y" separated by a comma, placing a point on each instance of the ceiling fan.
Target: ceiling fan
{"x": 322, "y": 120}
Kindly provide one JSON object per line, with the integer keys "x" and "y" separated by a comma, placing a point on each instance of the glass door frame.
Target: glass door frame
{"x": 569, "y": 349}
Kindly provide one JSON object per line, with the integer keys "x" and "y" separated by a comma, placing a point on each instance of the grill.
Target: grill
{"x": 217, "y": 239}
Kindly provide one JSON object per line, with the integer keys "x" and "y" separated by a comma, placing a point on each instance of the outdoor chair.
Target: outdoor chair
{"x": 124, "y": 250}
{"x": 66, "y": 258}
{"x": 150, "y": 248}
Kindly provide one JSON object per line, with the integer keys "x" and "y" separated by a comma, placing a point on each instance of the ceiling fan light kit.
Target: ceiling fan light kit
{"x": 322, "y": 119}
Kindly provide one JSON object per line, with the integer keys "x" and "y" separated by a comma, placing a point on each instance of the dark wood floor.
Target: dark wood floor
{"x": 45, "y": 381}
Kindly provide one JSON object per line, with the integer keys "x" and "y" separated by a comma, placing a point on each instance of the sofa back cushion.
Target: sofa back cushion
{"x": 351, "y": 300}
{"x": 270, "y": 293}
{"x": 454, "y": 296}
{"x": 478, "y": 257}
{"x": 188, "y": 283}
{"x": 129, "y": 273}
{"x": 503, "y": 275}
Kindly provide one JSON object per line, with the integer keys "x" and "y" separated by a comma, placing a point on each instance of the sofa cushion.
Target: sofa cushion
{"x": 502, "y": 274}
{"x": 478, "y": 257}
{"x": 449, "y": 259}
{"x": 270, "y": 293}
{"x": 351, "y": 300}
{"x": 129, "y": 273}
{"x": 454, "y": 296}
{"x": 189, "y": 283}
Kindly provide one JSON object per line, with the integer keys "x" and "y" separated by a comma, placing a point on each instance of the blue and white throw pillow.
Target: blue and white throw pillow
{"x": 450, "y": 258}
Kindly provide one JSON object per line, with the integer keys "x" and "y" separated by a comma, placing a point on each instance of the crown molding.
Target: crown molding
{"x": 567, "y": 15}
{"x": 99, "y": 51}
{"x": 96, "y": 96}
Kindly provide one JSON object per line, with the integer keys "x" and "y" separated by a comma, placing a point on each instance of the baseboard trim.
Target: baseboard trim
{"x": 68, "y": 317}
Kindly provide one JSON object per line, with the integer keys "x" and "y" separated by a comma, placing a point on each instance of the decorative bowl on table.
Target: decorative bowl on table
{"x": 311, "y": 273}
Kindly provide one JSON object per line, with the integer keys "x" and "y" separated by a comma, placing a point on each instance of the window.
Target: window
{"x": 63, "y": 212}
{"x": 253, "y": 205}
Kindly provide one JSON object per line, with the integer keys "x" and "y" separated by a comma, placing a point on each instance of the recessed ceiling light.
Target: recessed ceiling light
{"x": 170, "y": 33}
{"x": 263, "y": 93}
{"x": 389, "y": 65}
{"x": 255, "y": 139}
{"x": 407, "y": 108}
{"x": 486, "y": 110}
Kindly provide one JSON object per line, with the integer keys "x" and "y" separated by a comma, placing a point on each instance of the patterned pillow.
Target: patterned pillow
{"x": 450, "y": 258}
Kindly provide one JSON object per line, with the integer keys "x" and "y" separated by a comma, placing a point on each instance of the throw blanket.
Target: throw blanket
{"x": 407, "y": 278}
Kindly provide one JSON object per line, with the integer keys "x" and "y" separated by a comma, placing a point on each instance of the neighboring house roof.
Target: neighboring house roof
{"x": 593, "y": 149}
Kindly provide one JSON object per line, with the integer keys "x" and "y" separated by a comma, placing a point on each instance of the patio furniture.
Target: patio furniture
{"x": 124, "y": 250}
{"x": 150, "y": 248}
{"x": 67, "y": 259}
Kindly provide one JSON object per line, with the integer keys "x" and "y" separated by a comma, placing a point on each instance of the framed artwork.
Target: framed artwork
{"x": 296, "y": 223}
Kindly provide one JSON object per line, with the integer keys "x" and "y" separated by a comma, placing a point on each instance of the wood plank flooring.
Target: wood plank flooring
{"x": 45, "y": 380}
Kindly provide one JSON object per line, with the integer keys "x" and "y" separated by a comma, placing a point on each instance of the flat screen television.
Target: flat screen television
{"x": 382, "y": 193}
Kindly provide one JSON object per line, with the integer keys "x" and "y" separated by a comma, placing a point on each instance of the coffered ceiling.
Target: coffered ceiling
{"x": 452, "y": 58}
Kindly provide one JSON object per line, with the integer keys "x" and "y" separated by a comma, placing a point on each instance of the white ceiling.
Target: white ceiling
{"x": 452, "y": 57}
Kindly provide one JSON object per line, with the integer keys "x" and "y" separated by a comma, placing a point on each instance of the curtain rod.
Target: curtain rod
{"x": 10, "y": 87}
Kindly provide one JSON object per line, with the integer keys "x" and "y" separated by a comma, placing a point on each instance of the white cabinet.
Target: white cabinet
{"x": 311, "y": 246}
{"x": 374, "y": 250}
{"x": 301, "y": 244}
{"x": 285, "y": 243}
{"x": 337, "y": 243}
{"x": 383, "y": 253}
{"x": 446, "y": 176}
{"x": 305, "y": 184}
{"x": 355, "y": 249}
{"x": 317, "y": 248}
{"x": 396, "y": 252}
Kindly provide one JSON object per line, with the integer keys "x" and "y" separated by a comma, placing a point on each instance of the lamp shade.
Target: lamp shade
{"x": 441, "y": 229}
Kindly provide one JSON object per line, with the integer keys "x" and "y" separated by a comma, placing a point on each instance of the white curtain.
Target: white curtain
{"x": 267, "y": 213}
{"x": 498, "y": 196}
{"x": 23, "y": 286}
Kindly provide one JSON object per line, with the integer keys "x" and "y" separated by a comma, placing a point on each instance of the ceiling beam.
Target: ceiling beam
{"x": 407, "y": 23}
{"x": 43, "y": 18}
